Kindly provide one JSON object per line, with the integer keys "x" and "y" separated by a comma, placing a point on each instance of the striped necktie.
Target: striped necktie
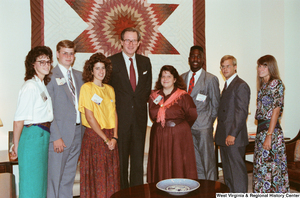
{"x": 71, "y": 85}
{"x": 192, "y": 84}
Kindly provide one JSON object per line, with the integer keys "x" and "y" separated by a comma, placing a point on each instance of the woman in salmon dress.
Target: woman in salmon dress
{"x": 171, "y": 153}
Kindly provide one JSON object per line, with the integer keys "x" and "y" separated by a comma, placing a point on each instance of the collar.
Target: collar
{"x": 63, "y": 69}
{"x": 127, "y": 57}
{"x": 231, "y": 79}
{"x": 37, "y": 79}
{"x": 198, "y": 73}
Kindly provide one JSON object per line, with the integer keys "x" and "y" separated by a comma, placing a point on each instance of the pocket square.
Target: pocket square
{"x": 145, "y": 72}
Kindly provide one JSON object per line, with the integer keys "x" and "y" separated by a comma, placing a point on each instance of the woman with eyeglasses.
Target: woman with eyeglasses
{"x": 31, "y": 124}
{"x": 270, "y": 173}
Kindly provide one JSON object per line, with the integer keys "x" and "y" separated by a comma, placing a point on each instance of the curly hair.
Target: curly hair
{"x": 178, "y": 83}
{"x": 31, "y": 58}
{"x": 87, "y": 74}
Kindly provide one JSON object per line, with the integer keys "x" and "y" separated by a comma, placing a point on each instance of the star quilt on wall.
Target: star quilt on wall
{"x": 108, "y": 18}
{"x": 168, "y": 28}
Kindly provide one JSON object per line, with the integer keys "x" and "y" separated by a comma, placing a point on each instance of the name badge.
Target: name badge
{"x": 44, "y": 97}
{"x": 158, "y": 99}
{"x": 60, "y": 81}
{"x": 97, "y": 99}
{"x": 201, "y": 97}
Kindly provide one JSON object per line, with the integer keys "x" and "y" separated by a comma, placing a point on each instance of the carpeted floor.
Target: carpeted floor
{"x": 221, "y": 179}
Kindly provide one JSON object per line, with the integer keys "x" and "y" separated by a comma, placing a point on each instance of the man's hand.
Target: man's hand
{"x": 59, "y": 145}
{"x": 229, "y": 140}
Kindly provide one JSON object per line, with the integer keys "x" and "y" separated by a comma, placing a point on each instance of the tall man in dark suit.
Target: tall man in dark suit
{"x": 204, "y": 89}
{"x": 66, "y": 131}
{"x": 132, "y": 79}
{"x": 231, "y": 134}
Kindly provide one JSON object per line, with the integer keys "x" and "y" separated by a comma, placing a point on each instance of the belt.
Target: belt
{"x": 172, "y": 123}
{"x": 45, "y": 125}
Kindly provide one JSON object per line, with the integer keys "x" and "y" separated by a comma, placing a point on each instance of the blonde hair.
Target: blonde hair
{"x": 228, "y": 57}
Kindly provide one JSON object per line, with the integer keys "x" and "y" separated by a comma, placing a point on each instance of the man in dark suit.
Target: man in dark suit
{"x": 132, "y": 79}
{"x": 66, "y": 131}
{"x": 231, "y": 134}
{"x": 204, "y": 89}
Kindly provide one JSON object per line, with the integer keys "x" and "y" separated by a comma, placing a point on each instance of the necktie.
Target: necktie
{"x": 132, "y": 75}
{"x": 71, "y": 85}
{"x": 225, "y": 86}
{"x": 192, "y": 83}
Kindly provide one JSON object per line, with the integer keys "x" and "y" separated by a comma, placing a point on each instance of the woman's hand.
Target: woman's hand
{"x": 111, "y": 144}
{"x": 14, "y": 152}
{"x": 267, "y": 142}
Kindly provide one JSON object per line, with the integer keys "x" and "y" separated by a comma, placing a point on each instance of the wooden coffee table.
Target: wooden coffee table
{"x": 207, "y": 189}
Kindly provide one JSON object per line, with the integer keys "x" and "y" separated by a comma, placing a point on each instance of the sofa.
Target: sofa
{"x": 293, "y": 165}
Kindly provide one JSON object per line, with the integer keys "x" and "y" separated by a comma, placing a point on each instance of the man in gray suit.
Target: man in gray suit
{"x": 231, "y": 134}
{"x": 66, "y": 131}
{"x": 204, "y": 89}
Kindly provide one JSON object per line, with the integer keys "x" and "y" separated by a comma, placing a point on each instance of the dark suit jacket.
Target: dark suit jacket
{"x": 131, "y": 106}
{"x": 64, "y": 122}
{"x": 233, "y": 112}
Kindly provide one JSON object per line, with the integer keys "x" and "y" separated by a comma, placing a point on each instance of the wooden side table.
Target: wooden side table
{"x": 5, "y": 163}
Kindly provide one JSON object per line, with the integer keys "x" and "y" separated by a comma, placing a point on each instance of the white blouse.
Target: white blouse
{"x": 34, "y": 103}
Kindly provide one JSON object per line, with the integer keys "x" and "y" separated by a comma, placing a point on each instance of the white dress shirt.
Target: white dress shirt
{"x": 64, "y": 71}
{"x": 128, "y": 62}
{"x": 34, "y": 103}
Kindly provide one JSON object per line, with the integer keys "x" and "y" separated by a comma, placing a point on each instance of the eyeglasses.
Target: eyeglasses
{"x": 128, "y": 41}
{"x": 226, "y": 66}
{"x": 43, "y": 63}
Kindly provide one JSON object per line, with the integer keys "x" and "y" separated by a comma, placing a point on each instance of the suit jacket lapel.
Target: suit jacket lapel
{"x": 140, "y": 70}
{"x": 200, "y": 84}
{"x": 230, "y": 87}
{"x": 77, "y": 80}
{"x": 58, "y": 74}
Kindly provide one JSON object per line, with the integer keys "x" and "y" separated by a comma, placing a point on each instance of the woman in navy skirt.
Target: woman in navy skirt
{"x": 31, "y": 124}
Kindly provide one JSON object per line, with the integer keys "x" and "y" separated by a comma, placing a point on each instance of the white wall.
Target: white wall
{"x": 15, "y": 42}
{"x": 292, "y": 69}
{"x": 250, "y": 29}
{"x": 246, "y": 29}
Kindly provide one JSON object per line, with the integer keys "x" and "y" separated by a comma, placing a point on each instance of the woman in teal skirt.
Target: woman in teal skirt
{"x": 31, "y": 124}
